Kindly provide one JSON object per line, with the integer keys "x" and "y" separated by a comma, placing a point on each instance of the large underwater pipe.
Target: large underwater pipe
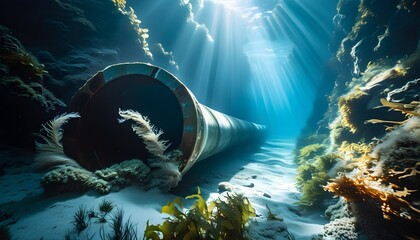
{"x": 96, "y": 140}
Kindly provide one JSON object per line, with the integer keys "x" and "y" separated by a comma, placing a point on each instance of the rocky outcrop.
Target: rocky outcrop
{"x": 24, "y": 100}
{"x": 374, "y": 100}
{"x": 376, "y": 56}
{"x": 48, "y": 50}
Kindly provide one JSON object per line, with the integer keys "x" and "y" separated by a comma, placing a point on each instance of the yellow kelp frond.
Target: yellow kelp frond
{"x": 410, "y": 109}
{"x": 224, "y": 218}
{"x": 374, "y": 121}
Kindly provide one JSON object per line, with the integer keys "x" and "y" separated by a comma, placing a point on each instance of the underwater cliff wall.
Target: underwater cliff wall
{"x": 368, "y": 133}
{"x": 376, "y": 47}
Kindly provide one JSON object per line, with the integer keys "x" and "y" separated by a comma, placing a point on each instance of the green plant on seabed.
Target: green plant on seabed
{"x": 120, "y": 230}
{"x": 309, "y": 152}
{"x": 80, "y": 218}
{"x": 106, "y": 206}
{"x": 271, "y": 216}
{"x": 219, "y": 219}
{"x": 312, "y": 176}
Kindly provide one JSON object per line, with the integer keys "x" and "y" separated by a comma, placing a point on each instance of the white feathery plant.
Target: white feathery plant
{"x": 50, "y": 153}
{"x": 167, "y": 170}
{"x": 146, "y": 131}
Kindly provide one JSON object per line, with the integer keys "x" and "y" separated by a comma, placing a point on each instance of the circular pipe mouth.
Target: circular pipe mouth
{"x": 97, "y": 140}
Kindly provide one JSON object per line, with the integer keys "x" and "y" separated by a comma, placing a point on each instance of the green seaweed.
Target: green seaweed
{"x": 80, "y": 218}
{"x": 309, "y": 152}
{"x": 304, "y": 173}
{"x": 220, "y": 219}
{"x": 271, "y": 216}
{"x": 312, "y": 176}
{"x": 313, "y": 193}
{"x": 120, "y": 230}
{"x": 106, "y": 206}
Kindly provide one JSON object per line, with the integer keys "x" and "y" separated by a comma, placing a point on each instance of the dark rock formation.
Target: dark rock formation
{"x": 24, "y": 100}
{"x": 48, "y": 50}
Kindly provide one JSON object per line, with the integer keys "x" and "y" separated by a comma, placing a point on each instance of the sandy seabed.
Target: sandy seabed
{"x": 264, "y": 174}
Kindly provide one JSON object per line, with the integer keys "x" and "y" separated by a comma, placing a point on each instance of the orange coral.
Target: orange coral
{"x": 383, "y": 174}
{"x": 358, "y": 155}
{"x": 360, "y": 188}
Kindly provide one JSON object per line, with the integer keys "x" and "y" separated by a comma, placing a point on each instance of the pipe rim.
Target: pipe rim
{"x": 192, "y": 133}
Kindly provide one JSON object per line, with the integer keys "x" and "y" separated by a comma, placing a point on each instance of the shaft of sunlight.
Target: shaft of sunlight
{"x": 263, "y": 64}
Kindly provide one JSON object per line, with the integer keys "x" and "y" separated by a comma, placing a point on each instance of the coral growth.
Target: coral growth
{"x": 345, "y": 109}
{"x": 377, "y": 57}
{"x": 220, "y": 219}
{"x": 384, "y": 178}
{"x": 341, "y": 228}
{"x": 67, "y": 175}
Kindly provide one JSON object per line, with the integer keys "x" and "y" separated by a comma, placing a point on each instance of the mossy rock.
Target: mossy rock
{"x": 72, "y": 179}
{"x": 65, "y": 179}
